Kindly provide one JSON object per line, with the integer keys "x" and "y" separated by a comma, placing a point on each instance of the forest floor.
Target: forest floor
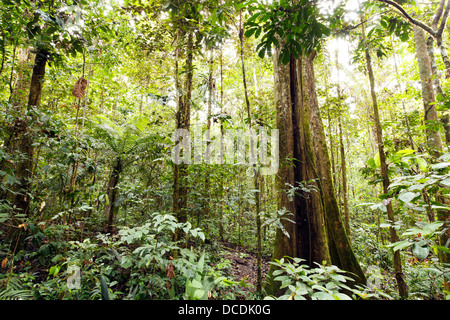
{"x": 243, "y": 265}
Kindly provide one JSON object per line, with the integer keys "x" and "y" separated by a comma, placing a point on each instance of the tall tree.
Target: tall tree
{"x": 435, "y": 33}
{"x": 306, "y": 238}
{"x": 183, "y": 116}
{"x": 402, "y": 286}
{"x": 434, "y": 141}
{"x": 341, "y": 252}
{"x": 24, "y": 167}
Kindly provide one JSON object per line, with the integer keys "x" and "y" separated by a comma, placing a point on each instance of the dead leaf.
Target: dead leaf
{"x": 4, "y": 262}
{"x": 170, "y": 269}
{"x": 79, "y": 88}
{"x": 42, "y": 206}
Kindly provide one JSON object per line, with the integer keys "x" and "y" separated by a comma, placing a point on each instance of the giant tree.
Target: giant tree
{"x": 297, "y": 179}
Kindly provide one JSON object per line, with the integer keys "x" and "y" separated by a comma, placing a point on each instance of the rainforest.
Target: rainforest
{"x": 257, "y": 150}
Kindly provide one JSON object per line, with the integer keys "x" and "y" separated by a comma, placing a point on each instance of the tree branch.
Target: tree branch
{"x": 444, "y": 21}
{"x": 411, "y": 19}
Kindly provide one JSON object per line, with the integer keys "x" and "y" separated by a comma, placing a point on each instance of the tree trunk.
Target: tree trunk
{"x": 256, "y": 173}
{"x": 22, "y": 85}
{"x": 445, "y": 119}
{"x": 112, "y": 191}
{"x": 221, "y": 149}
{"x": 402, "y": 287}
{"x": 24, "y": 167}
{"x": 208, "y": 155}
{"x": 434, "y": 141}
{"x": 342, "y": 153}
{"x": 18, "y": 100}
{"x": 341, "y": 252}
{"x": 439, "y": 41}
{"x": 346, "y": 217}
{"x": 314, "y": 247}
{"x": 183, "y": 121}
{"x": 284, "y": 244}
{"x": 306, "y": 238}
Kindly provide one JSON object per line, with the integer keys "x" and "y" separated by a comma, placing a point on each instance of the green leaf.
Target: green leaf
{"x": 441, "y": 165}
{"x": 377, "y": 160}
{"x": 406, "y": 152}
{"x": 262, "y": 52}
{"x": 407, "y": 196}
{"x": 420, "y": 250}
{"x": 442, "y": 248}
{"x": 371, "y": 163}
{"x": 196, "y": 284}
{"x": 399, "y": 245}
{"x": 199, "y": 294}
{"x": 432, "y": 227}
{"x": 248, "y": 33}
{"x": 104, "y": 288}
{"x": 423, "y": 165}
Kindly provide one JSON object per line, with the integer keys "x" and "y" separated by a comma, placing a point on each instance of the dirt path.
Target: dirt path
{"x": 243, "y": 264}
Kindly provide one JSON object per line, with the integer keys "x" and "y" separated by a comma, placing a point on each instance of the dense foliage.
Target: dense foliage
{"x": 87, "y": 174}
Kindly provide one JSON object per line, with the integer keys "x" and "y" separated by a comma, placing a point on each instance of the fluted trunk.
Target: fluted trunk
{"x": 306, "y": 238}
{"x": 341, "y": 252}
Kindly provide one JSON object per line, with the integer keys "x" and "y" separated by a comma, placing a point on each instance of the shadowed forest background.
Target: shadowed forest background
{"x": 93, "y": 206}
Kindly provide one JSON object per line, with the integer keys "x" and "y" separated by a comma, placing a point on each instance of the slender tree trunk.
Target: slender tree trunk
{"x": 436, "y": 81}
{"x": 221, "y": 147}
{"x": 112, "y": 191}
{"x": 438, "y": 36}
{"x": 342, "y": 153}
{"x": 434, "y": 141}
{"x": 183, "y": 122}
{"x": 256, "y": 173}
{"x": 207, "y": 196}
{"x": 24, "y": 168}
{"x": 402, "y": 287}
{"x": 346, "y": 217}
{"x": 330, "y": 133}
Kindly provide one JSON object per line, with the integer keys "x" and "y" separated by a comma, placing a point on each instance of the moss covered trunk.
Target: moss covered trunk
{"x": 306, "y": 238}
{"x": 341, "y": 252}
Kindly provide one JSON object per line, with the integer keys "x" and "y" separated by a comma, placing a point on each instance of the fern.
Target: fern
{"x": 13, "y": 290}
{"x": 11, "y": 294}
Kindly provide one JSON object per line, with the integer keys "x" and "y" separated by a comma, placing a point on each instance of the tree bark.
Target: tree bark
{"x": 399, "y": 276}
{"x": 434, "y": 142}
{"x": 341, "y": 252}
{"x": 24, "y": 167}
{"x": 306, "y": 238}
{"x": 112, "y": 191}
{"x": 445, "y": 119}
{"x": 346, "y": 217}
{"x": 183, "y": 120}
{"x": 310, "y": 211}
